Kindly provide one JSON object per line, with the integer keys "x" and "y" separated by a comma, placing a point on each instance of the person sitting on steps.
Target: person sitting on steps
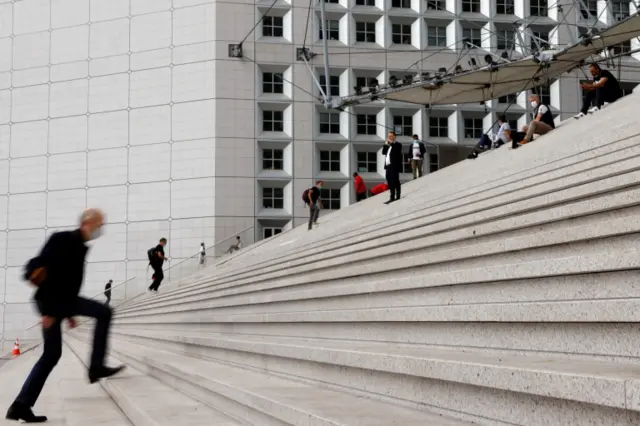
{"x": 542, "y": 122}
{"x": 605, "y": 88}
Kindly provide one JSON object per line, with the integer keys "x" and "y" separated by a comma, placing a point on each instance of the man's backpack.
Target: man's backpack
{"x": 305, "y": 196}
{"x": 151, "y": 254}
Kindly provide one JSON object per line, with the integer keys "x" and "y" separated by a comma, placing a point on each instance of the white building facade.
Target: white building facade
{"x": 135, "y": 106}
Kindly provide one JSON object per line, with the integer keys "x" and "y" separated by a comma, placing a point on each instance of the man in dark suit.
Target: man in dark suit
{"x": 58, "y": 272}
{"x": 392, "y": 152}
{"x": 107, "y": 292}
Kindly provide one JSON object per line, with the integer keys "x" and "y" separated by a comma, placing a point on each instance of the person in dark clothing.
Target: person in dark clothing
{"x": 314, "y": 203}
{"x": 416, "y": 153}
{"x": 156, "y": 262}
{"x": 107, "y": 292}
{"x": 542, "y": 120}
{"x": 360, "y": 187}
{"x": 605, "y": 88}
{"x": 58, "y": 272}
{"x": 392, "y": 151}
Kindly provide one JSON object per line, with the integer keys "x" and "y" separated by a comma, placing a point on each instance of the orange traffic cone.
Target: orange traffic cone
{"x": 16, "y": 348}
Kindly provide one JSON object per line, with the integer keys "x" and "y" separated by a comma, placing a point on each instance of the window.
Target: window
{"x": 473, "y": 36}
{"x": 504, "y": 7}
{"x": 436, "y": 4}
{"x": 365, "y": 2}
{"x": 329, "y": 161}
{"x": 330, "y": 198}
{"x": 272, "y": 121}
{"x": 330, "y": 122}
{"x": 592, "y": 9}
{"x": 439, "y": 127}
{"x": 367, "y": 162}
{"x": 366, "y": 32}
{"x": 511, "y": 98}
{"x": 333, "y": 30}
{"x": 406, "y": 165}
{"x": 272, "y": 26}
{"x": 365, "y": 81}
{"x": 472, "y": 6}
{"x": 401, "y": 34}
{"x": 406, "y": 4}
{"x": 544, "y": 92}
{"x": 366, "y": 124}
{"x": 437, "y": 37}
{"x": 334, "y": 84}
{"x": 434, "y": 163}
{"x": 403, "y": 124}
{"x": 272, "y": 82}
{"x": 541, "y": 38}
{"x": 272, "y": 159}
{"x": 505, "y": 40}
{"x": 539, "y": 8}
{"x": 620, "y": 10}
{"x": 624, "y": 47}
{"x": 270, "y": 232}
{"x": 332, "y": 1}
{"x": 472, "y": 128}
{"x": 273, "y": 198}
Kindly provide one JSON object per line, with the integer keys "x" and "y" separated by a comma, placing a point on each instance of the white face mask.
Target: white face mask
{"x": 96, "y": 234}
{"x": 534, "y": 104}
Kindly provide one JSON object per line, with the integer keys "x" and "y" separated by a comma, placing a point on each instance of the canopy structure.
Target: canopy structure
{"x": 496, "y": 80}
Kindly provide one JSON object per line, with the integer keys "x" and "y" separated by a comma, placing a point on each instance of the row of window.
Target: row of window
{"x": 366, "y": 124}
{"x": 436, "y": 35}
{"x": 366, "y": 162}
{"x": 273, "y": 198}
{"x": 506, "y": 7}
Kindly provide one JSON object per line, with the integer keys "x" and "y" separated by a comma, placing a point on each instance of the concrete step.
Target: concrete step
{"x": 148, "y": 402}
{"x": 268, "y": 397}
{"x": 595, "y": 234}
{"x": 67, "y": 398}
{"x": 601, "y": 383}
{"x": 410, "y": 256}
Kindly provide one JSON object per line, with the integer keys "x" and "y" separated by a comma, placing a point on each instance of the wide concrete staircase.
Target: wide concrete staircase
{"x": 498, "y": 291}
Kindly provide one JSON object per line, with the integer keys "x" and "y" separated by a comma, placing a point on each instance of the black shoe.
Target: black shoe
{"x": 103, "y": 373}
{"x": 19, "y": 411}
{"x": 390, "y": 201}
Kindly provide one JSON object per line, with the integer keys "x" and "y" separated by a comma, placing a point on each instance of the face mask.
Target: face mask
{"x": 534, "y": 104}
{"x": 95, "y": 234}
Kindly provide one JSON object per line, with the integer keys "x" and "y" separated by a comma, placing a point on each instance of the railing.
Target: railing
{"x": 135, "y": 287}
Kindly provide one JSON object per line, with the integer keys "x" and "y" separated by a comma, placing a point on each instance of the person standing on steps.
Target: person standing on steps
{"x": 156, "y": 259}
{"x": 314, "y": 201}
{"x": 203, "y": 255}
{"x": 392, "y": 152}
{"x": 107, "y": 292}
{"x": 360, "y": 187}
{"x": 416, "y": 156}
{"x": 58, "y": 272}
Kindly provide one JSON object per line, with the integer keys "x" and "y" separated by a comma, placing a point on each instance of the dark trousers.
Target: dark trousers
{"x": 53, "y": 348}
{"x": 158, "y": 276}
{"x": 361, "y": 196}
{"x": 600, "y": 96}
{"x": 107, "y": 294}
{"x": 393, "y": 180}
{"x": 314, "y": 212}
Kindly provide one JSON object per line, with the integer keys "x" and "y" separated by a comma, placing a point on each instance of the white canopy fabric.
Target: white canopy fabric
{"x": 491, "y": 82}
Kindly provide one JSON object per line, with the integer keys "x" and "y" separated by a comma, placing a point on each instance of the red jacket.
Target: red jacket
{"x": 360, "y": 186}
{"x": 379, "y": 188}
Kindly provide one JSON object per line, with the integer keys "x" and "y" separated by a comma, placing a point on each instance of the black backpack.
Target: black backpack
{"x": 151, "y": 254}
{"x": 305, "y": 196}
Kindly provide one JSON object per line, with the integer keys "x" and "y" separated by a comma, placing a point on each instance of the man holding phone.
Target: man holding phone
{"x": 392, "y": 152}
{"x": 58, "y": 272}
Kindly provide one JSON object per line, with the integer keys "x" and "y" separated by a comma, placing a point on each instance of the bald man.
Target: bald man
{"x": 58, "y": 272}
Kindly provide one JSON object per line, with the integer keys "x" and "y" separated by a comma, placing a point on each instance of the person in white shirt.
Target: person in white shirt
{"x": 503, "y": 135}
{"x": 416, "y": 156}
